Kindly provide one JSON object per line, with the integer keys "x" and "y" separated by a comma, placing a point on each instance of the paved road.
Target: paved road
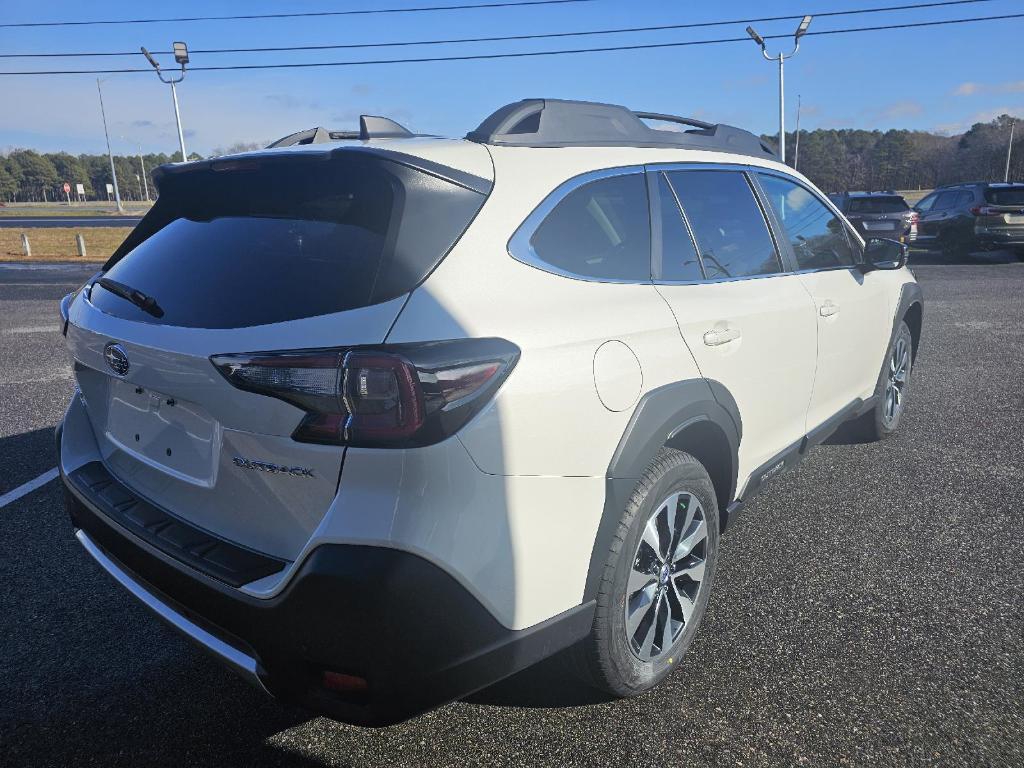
{"x": 32, "y": 222}
{"x": 868, "y": 608}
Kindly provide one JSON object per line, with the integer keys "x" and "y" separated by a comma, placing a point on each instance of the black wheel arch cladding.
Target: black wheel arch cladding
{"x": 670, "y": 415}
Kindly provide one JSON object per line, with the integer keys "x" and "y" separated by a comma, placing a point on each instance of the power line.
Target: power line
{"x": 294, "y": 15}
{"x": 523, "y": 54}
{"x": 506, "y": 38}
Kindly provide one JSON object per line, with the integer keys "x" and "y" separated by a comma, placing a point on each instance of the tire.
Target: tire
{"x": 953, "y": 247}
{"x": 891, "y": 391}
{"x": 674, "y": 486}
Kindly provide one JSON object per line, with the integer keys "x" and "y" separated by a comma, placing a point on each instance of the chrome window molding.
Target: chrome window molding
{"x": 521, "y": 249}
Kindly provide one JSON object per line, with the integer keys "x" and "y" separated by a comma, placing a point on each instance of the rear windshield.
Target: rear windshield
{"x": 1005, "y": 195}
{"x": 877, "y": 204}
{"x": 268, "y": 241}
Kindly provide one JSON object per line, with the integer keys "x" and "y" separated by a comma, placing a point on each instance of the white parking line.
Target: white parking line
{"x": 33, "y": 329}
{"x": 28, "y": 487}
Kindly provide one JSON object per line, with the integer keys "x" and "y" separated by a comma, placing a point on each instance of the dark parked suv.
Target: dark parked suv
{"x": 878, "y": 214}
{"x": 971, "y": 217}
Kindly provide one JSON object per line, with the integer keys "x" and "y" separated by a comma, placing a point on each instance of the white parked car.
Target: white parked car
{"x": 379, "y": 419}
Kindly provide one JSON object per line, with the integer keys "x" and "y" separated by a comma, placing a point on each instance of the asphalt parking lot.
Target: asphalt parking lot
{"x": 869, "y": 607}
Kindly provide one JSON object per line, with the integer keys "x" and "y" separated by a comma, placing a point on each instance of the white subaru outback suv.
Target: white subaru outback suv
{"x": 379, "y": 419}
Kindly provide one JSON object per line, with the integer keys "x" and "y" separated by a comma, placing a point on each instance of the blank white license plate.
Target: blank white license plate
{"x": 1015, "y": 218}
{"x": 876, "y": 226}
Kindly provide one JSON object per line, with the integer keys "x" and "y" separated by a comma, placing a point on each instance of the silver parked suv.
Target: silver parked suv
{"x": 379, "y": 419}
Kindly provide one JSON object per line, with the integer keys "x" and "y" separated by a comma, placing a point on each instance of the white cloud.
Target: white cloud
{"x": 905, "y": 108}
{"x": 971, "y": 88}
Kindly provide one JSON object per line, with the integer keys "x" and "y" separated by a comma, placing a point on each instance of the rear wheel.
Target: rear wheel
{"x": 657, "y": 578}
{"x": 891, "y": 391}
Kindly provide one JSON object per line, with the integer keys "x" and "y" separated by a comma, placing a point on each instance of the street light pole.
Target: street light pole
{"x": 1009, "y": 151}
{"x": 801, "y": 30}
{"x": 796, "y": 149}
{"x": 181, "y": 57}
{"x": 113, "y": 173}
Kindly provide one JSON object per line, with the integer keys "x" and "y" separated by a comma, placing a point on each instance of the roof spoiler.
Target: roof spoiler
{"x": 558, "y": 123}
{"x": 370, "y": 127}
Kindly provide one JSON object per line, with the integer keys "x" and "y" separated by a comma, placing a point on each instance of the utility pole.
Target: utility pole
{"x": 181, "y": 57}
{"x": 113, "y": 173}
{"x": 801, "y": 30}
{"x": 1009, "y": 151}
{"x": 796, "y": 149}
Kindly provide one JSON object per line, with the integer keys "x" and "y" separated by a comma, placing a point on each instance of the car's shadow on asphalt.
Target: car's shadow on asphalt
{"x": 936, "y": 257}
{"x": 544, "y": 685}
{"x": 25, "y": 456}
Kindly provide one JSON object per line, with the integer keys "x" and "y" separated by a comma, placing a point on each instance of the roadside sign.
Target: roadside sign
{"x": 67, "y": 188}
{"x": 80, "y": 189}
{"x": 110, "y": 190}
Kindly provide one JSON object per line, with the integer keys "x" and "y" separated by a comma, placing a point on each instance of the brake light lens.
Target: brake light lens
{"x": 399, "y": 395}
{"x": 983, "y": 210}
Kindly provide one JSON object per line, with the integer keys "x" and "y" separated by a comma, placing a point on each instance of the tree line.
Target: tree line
{"x": 838, "y": 160}
{"x": 30, "y": 176}
{"x": 835, "y": 159}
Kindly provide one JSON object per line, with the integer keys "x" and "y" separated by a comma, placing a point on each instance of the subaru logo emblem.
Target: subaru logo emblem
{"x": 116, "y": 358}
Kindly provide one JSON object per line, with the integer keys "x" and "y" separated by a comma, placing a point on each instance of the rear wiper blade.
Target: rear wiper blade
{"x": 136, "y": 297}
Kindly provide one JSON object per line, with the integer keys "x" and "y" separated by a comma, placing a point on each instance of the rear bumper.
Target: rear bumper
{"x": 417, "y": 636}
{"x": 1013, "y": 238}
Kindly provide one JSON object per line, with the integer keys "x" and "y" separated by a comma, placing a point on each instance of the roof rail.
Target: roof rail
{"x": 370, "y": 127}
{"x": 559, "y": 123}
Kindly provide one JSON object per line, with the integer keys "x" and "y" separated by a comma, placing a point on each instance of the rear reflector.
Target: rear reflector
{"x": 342, "y": 683}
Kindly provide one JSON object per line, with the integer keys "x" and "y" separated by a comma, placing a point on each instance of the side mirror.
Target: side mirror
{"x": 882, "y": 253}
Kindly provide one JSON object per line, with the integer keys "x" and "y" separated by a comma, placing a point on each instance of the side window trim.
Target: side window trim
{"x": 654, "y": 169}
{"x": 856, "y": 247}
{"x": 654, "y": 176}
{"x": 521, "y": 249}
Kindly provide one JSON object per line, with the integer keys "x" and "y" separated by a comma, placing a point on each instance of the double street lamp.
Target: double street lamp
{"x": 181, "y": 57}
{"x": 801, "y": 30}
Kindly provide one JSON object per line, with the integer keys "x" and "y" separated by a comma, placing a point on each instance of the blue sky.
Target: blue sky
{"x": 944, "y": 78}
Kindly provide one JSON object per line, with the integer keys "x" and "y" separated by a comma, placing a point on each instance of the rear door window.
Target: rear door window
{"x": 679, "y": 261}
{"x": 730, "y": 230}
{"x": 945, "y": 201}
{"x": 274, "y": 240}
{"x": 817, "y": 236}
{"x": 600, "y": 230}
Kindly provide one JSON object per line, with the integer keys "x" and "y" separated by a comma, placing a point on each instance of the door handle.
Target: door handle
{"x": 828, "y": 309}
{"x": 718, "y": 336}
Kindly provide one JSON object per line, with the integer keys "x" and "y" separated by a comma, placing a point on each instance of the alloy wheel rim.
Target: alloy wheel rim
{"x": 896, "y": 384}
{"x": 666, "y": 575}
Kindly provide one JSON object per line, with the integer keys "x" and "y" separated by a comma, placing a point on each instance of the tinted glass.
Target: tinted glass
{"x": 815, "y": 233}
{"x": 877, "y": 204}
{"x": 964, "y": 198}
{"x": 945, "y": 200}
{"x": 727, "y": 223}
{"x": 282, "y": 240}
{"x": 926, "y": 203}
{"x": 1005, "y": 195}
{"x": 678, "y": 256}
{"x": 600, "y": 230}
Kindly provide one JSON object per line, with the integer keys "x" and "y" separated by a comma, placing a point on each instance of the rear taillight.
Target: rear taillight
{"x": 914, "y": 217}
{"x": 983, "y": 210}
{"x": 395, "y": 395}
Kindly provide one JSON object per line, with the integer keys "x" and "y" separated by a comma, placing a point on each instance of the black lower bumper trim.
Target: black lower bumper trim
{"x": 180, "y": 539}
{"x": 417, "y": 636}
